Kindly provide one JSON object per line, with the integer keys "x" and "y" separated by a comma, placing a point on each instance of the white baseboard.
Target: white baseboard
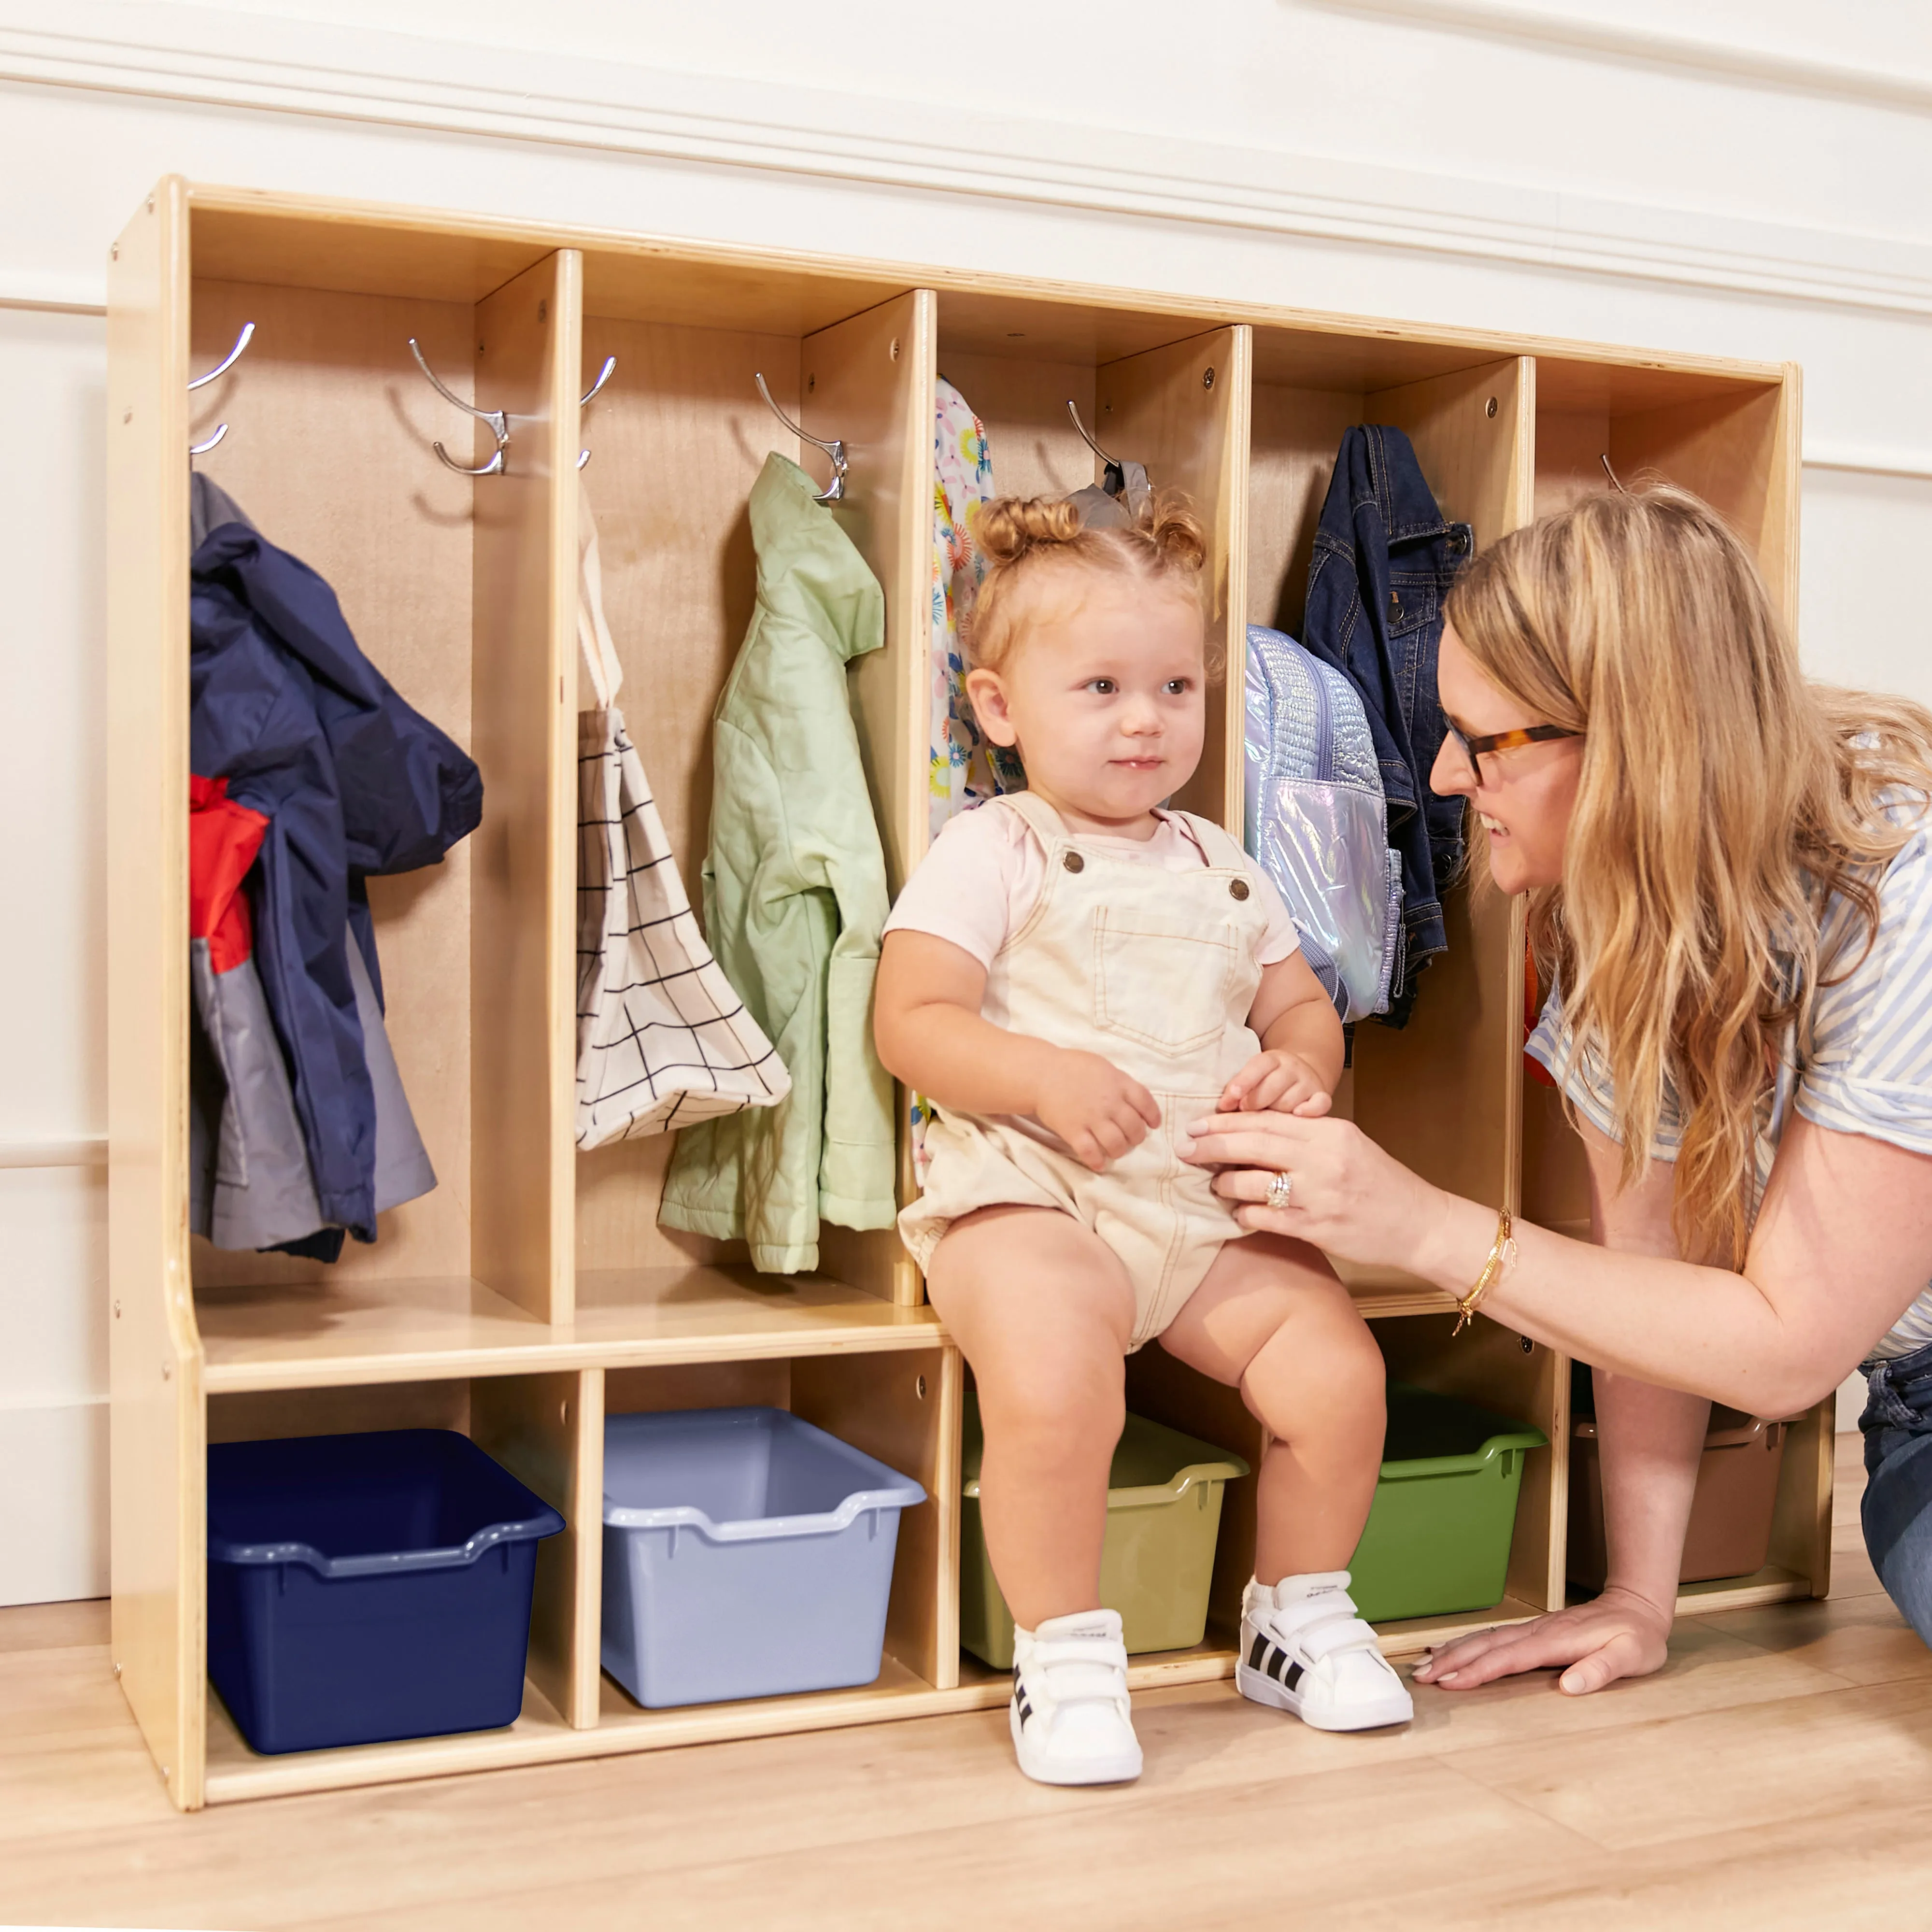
{"x": 55, "y": 1454}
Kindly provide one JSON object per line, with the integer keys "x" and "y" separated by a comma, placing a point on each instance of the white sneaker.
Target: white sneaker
{"x": 1070, "y": 1717}
{"x": 1303, "y": 1649}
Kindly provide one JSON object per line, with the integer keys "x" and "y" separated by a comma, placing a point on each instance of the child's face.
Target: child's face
{"x": 1105, "y": 696}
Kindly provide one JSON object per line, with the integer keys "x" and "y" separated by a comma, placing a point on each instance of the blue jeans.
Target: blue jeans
{"x": 1897, "y": 1507}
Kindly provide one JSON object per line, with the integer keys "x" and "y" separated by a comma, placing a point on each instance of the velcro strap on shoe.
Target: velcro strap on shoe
{"x": 1305, "y": 1613}
{"x": 1066, "y": 1650}
{"x": 1339, "y": 1633}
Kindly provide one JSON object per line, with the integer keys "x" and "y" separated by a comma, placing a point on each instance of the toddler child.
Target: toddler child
{"x": 1073, "y": 974}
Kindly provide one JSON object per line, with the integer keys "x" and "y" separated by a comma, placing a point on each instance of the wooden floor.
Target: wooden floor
{"x": 1778, "y": 1773}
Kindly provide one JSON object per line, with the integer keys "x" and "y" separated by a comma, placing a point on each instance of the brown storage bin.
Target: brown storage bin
{"x": 1729, "y": 1534}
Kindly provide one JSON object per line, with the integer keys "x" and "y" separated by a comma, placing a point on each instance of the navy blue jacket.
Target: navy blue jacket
{"x": 352, "y": 780}
{"x": 1383, "y": 559}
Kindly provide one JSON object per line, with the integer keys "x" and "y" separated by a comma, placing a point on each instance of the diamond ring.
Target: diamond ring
{"x": 1280, "y": 1188}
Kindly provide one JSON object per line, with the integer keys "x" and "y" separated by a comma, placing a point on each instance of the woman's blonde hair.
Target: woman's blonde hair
{"x": 1029, "y": 541}
{"x": 1722, "y": 800}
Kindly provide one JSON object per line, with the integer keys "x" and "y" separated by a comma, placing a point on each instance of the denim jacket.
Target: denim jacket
{"x": 1384, "y": 559}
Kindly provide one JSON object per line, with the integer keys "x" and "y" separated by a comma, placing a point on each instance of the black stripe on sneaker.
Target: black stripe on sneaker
{"x": 1277, "y": 1662}
{"x": 1260, "y": 1651}
{"x": 1026, "y": 1710}
{"x": 1295, "y": 1674}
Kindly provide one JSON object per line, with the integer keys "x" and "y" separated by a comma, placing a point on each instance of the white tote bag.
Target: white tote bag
{"x": 662, "y": 1039}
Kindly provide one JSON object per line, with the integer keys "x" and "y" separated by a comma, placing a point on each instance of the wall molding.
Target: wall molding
{"x": 1653, "y": 47}
{"x": 171, "y": 50}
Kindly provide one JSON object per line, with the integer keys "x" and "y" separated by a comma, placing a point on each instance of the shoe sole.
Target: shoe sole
{"x": 1262, "y": 1689}
{"x": 1120, "y": 1770}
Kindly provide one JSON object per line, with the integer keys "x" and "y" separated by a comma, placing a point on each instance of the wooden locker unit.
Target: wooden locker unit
{"x": 533, "y": 1292}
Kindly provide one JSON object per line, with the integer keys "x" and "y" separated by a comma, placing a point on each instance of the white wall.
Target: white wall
{"x": 1740, "y": 177}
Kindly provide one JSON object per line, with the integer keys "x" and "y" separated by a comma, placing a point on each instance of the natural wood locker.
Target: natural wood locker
{"x": 533, "y": 1292}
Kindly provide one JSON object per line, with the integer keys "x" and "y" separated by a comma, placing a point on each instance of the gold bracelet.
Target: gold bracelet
{"x": 1501, "y": 1258}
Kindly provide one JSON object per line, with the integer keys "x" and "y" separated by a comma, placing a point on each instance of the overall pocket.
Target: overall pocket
{"x": 1163, "y": 981}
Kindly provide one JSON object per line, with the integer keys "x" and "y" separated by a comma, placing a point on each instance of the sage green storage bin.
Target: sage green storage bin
{"x": 1163, "y": 1513}
{"x": 1437, "y": 1538}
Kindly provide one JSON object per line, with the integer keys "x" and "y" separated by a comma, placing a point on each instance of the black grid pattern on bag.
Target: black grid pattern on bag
{"x": 662, "y": 1039}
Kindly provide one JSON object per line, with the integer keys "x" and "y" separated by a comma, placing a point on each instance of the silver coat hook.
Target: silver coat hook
{"x": 227, "y": 361}
{"x": 835, "y": 449}
{"x": 1605, "y": 460}
{"x": 221, "y": 368}
{"x": 604, "y": 376}
{"x": 1111, "y": 462}
{"x": 498, "y": 422}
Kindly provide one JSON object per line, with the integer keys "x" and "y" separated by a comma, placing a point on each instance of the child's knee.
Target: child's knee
{"x": 1052, "y": 1411}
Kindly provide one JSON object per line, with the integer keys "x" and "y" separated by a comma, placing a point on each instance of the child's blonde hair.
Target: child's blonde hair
{"x": 1025, "y": 539}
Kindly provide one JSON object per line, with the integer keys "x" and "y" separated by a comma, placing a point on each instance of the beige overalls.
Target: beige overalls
{"x": 1156, "y": 970}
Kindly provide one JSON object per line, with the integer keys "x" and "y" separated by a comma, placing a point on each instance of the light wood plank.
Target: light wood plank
{"x": 869, "y": 382}
{"x": 522, "y": 968}
{"x": 154, "y": 1356}
{"x": 535, "y": 1426}
{"x": 373, "y": 1330}
{"x": 1183, "y": 410}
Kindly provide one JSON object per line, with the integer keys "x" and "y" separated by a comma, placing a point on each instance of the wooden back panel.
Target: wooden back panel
{"x": 328, "y": 453}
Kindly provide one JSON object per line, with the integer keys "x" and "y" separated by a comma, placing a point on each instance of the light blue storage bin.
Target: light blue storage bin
{"x": 746, "y": 1554}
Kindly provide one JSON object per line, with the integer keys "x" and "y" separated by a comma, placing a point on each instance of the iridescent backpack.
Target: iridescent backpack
{"x": 1316, "y": 821}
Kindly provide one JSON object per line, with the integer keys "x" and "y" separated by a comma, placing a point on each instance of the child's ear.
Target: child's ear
{"x": 989, "y": 707}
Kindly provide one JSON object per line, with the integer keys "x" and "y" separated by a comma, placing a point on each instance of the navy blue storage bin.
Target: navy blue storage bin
{"x": 366, "y": 1588}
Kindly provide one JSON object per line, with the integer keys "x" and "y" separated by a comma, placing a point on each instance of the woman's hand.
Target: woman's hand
{"x": 1620, "y": 1634}
{"x": 1097, "y": 1110}
{"x": 1279, "y": 1079}
{"x": 1349, "y": 1198}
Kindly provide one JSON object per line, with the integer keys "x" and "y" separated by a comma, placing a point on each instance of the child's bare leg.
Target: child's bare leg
{"x": 1271, "y": 1317}
{"x": 1044, "y": 1312}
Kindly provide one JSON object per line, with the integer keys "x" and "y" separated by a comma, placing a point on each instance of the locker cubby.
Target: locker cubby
{"x": 533, "y": 1291}
{"x": 901, "y": 1408}
{"x": 531, "y": 1424}
{"x": 1161, "y": 391}
{"x": 1440, "y": 1092}
{"x": 329, "y": 451}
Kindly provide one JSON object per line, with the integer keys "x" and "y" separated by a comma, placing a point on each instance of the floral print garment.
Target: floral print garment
{"x": 964, "y": 768}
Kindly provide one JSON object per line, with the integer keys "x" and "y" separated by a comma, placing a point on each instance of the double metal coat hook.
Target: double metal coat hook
{"x": 499, "y": 423}
{"x": 221, "y": 368}
{"x": 604, "y": 376}
{"x": 834, "y": 449}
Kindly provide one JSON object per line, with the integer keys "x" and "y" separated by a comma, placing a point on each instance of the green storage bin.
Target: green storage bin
{"x": 1437, "y": 1538}
{"x": 1163, "y": 1513}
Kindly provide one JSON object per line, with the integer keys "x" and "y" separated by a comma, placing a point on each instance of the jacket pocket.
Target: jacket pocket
{"x": 1163, "y": 981}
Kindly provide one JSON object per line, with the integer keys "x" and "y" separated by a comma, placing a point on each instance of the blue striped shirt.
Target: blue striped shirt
{"x": 1865, "y": 1067}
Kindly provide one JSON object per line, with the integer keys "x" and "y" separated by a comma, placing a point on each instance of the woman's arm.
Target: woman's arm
{"x": 930, "y": 1034}
{"x": 1842, "y": 1245}
{"x": 1648, "y": 1442}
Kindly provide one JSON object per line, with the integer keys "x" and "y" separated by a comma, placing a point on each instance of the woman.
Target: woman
{"x": 1730, "y": 874}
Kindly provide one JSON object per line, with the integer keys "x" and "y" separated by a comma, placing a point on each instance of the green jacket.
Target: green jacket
{"x": 795, "y": 899}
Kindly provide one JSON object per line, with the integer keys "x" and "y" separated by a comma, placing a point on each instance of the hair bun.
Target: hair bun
{"x": 1174, "y": 530}
{"x": 1009, "y": 527}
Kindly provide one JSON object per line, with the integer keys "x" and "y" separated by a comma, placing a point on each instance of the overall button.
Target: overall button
{"x": 1073, "y": 862}
{"x": 1238, "y": 889}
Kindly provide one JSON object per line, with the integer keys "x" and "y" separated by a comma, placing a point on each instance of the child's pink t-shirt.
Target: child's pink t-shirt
{"x": 987, "y": 868}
